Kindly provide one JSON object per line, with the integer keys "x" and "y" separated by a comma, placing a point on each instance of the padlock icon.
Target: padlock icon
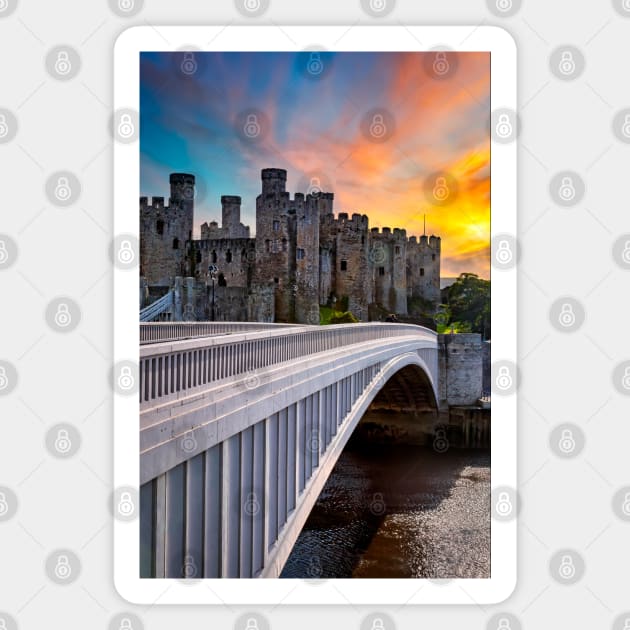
{"x": 126, "y": 128}
{"x": 251, "y": 505}
{"x": 504, "y": 505}
{"x": 625, "y": 128}
{"x": 252, "y": 127}
{"x": 625, "y": 381}
{"x": 440, "y": 441}
{"x": 63, "y": 192}
{"x": 62, "y": 318}
{"x": 3, "y": 623}
{"x": 377, "y": 127}
{"x": 626, "y": 7}
{"x": 63, "y": 570}
{"x": 188, "y": 443}
{"x": 315, "y": 64}
{"x": 4, "y": 254}
{"x": 63, "y": 443}
{"x": 4, "y": 508}
{"x": 504, "y": 5}
{"x": 378, "y": 624}
{"x": 504, "y": 624}
{"x": 378, "y": 5}
{"x": 251, "y": 624}
{"x": 625, "y": 506}
{"x": 126, "y": 254}
{"x": 126, "y": 5}
{"x": 440, "y": 64}
{"x": 189, "y": 63}
{"x": 3, "y": 7}
{"x": 504, "y": 126}
{"x": 4, "y": 128}
{"x": 504, "y": 254}
{"x": 566, "y": 316}
{"x": 567, "y": 442}
{"x": 190, "y": 568}
{"x": 567, "y": 568}
{"x": 625, "y": 255}
{"x": 567, "y": 189}
{"x": 315, "y": 187}
{"x": 126, "y": 380}
{"x": 125, "y": 624}
{"x": 252, "y": 5}
{"x": 378, "y": 504}
{"x": 440, "y": 190}
{"x": 4, "y": 379}
{"x": 567, "y": 63}
{"x": 626, "y": 625}
{"x": 125, "y": 505}
{"x": 504, "y": 378}
{"x": 63, "y": 66}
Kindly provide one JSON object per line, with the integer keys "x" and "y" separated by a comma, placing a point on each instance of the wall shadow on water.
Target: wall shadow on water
{"x": 391, "y": 509}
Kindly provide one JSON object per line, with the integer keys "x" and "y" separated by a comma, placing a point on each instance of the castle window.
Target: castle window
{"x": 221, "y": 279}
{"x": 198, "y": 256}
{"x": 432, "y": 256}
{"x": 160, "y": 227}
{"x": 175, "y": 243}
{"x": 343, "y": 265}
{"x": 267, "y": 245}
{"x": 299, "y": 253}
{"x": 213, "y": 256}
{"x": 228, "y": 256}
{"x": 381, "y": 271}
{"x": 397, "y": 249}
{"x": 284, "y": 244}
{"x": 243, "y": 255}
{"x": 276, "y": 226}
{"x": 362, "y": 240}
{"x": 276, "y": 280}
{"x": 422, "y": 271}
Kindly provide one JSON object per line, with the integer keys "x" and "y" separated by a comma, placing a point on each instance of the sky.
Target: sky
{"x": 318, "y": 126}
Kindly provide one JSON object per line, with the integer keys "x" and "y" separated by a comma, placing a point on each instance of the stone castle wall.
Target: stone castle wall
{"x": 460, "y": 369}
{"x": 302, "y": 256}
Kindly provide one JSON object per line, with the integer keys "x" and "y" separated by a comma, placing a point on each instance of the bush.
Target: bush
{"x": 343, "y": 318}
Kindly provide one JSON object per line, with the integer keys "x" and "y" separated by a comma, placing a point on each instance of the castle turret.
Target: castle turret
{"x": 274, "y": 181}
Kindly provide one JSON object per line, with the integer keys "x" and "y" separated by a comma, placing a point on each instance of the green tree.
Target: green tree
{"x": 469, "y": 302}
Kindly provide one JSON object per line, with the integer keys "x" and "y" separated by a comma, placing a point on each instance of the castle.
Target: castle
{"x": 301, "y": 257}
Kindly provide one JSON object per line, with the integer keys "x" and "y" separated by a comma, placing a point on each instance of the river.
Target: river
{"x": 399, "y": 511}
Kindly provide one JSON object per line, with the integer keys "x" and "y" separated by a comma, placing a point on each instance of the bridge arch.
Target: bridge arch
{"x": 240, "y": 428}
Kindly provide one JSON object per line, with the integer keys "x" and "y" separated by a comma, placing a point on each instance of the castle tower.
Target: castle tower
{"x": 230, "y": 214}
{"x": 423, "y": 269}
{"x": 275, "y": 242}
{"x": 307, "y": 257}
{"x": 388, "y": 252}
{"x": 165, "y": 231}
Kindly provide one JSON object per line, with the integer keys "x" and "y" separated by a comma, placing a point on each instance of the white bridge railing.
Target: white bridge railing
{"x": 173, "y": 369}
{"x": 155, "y": 332}
{"x": 149, "y": 313}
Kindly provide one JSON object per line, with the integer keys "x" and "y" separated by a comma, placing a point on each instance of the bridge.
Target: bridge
{"x": 241, "y": 425}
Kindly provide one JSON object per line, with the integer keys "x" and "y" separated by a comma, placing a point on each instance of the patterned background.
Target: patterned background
{"x": 55, "y": 365}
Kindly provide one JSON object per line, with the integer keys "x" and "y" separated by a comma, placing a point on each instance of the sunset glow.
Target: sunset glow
{"x": 315, "y": 127}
